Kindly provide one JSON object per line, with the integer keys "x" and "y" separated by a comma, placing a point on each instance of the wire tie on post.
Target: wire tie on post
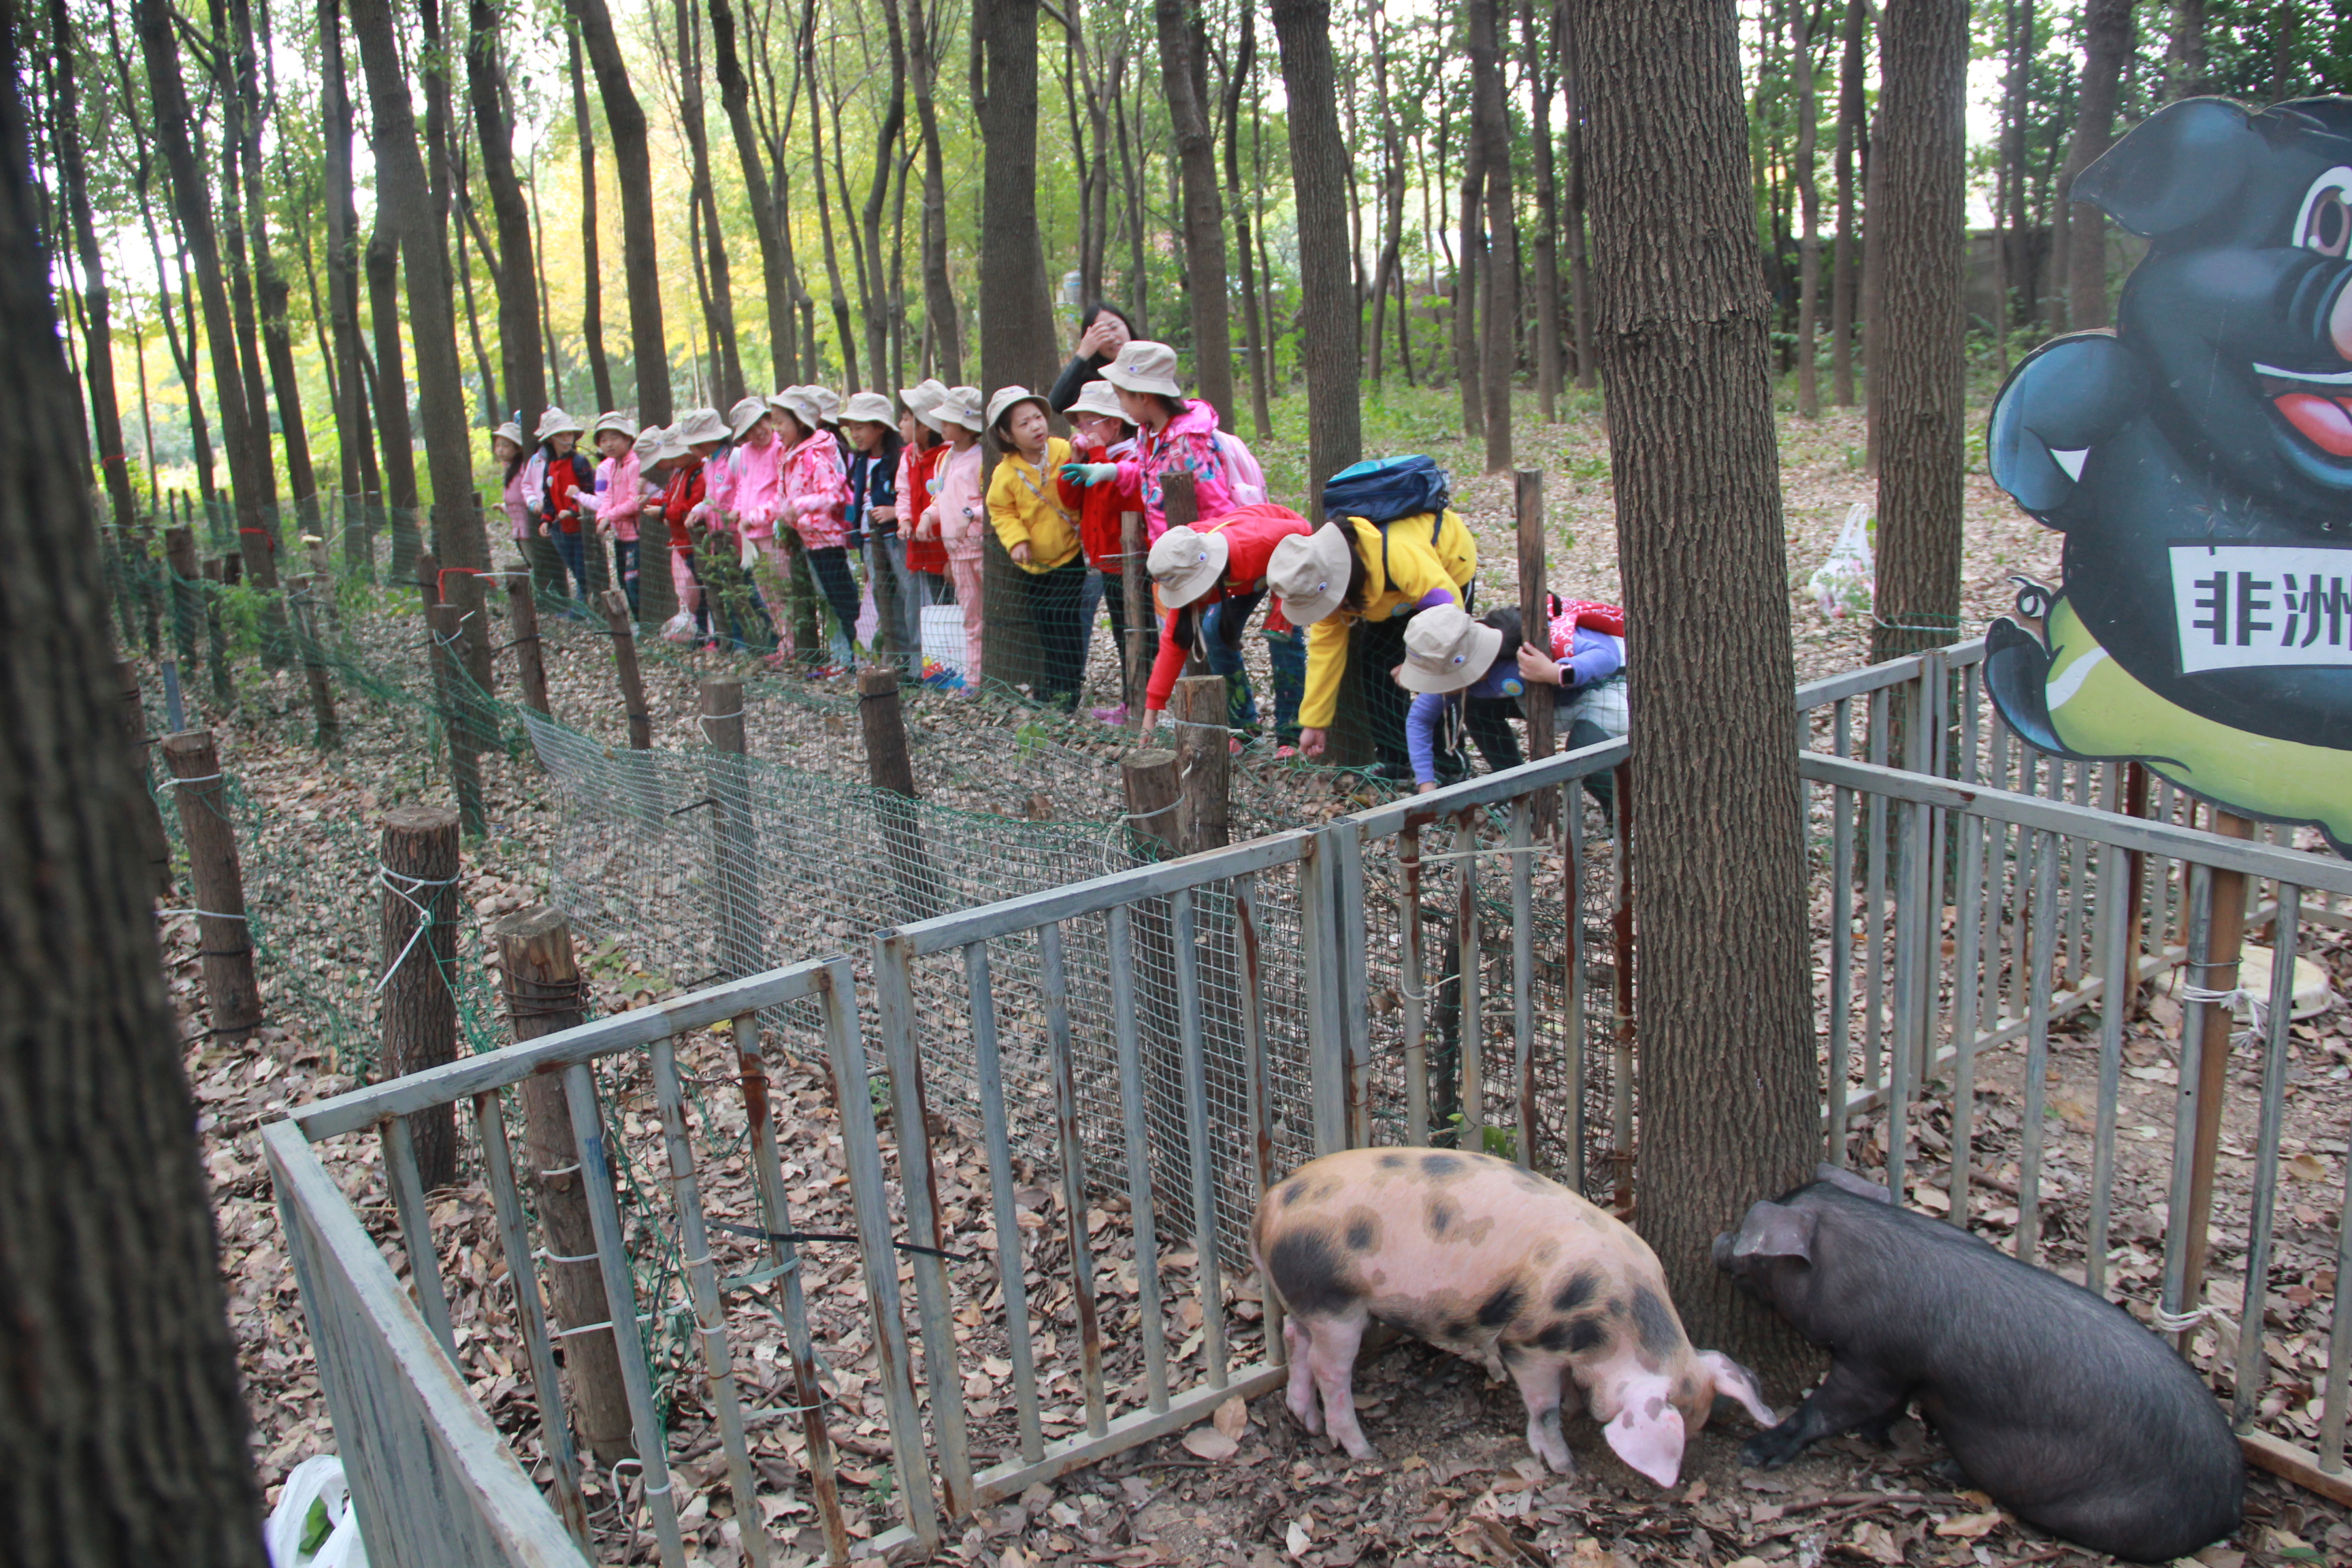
{"x": 384, "y": 877}
{"x": 208, "y": 914}
{"x": 192, "y": 778}
{"x": 2257, "y": 1010}
{"x": 693, "y": 805}
{"x": 560, "y": 1257}
{"x": 2178, "y": 1322}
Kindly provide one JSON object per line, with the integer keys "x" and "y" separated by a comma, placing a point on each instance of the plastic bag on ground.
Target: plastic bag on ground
{"x": 1842, "y": 586}
{"x": 315, "y": 1509}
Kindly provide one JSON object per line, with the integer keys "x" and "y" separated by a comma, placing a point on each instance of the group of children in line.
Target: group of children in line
{"x": 799, "y": 482}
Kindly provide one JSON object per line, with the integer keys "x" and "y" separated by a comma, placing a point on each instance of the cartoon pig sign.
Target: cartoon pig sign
{"x": 2199, "y": 460}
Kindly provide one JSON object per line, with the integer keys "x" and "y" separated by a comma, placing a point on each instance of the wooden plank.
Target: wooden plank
{"x": 2300, "y": 1465}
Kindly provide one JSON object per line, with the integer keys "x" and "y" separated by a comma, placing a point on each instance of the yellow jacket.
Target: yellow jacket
{"x": 1404, "y": 562}
{"x": 1026, "y": 508}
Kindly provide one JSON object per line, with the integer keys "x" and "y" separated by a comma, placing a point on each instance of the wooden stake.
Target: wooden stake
{"x": 148, "y": 816}
{"x": 530, "y": 655}
{"x": 1142, "y": 626}
{"x": 545, "y": 995}
{"x": 1202, "y": 762}
{"x": 329, "y": 734}
{"x": 418, "y": 876}
{"x": 735, "y": 845}
{"x": 1535, "y": 624}
{"x": 1180, "y": 500}
{"x": 216, "y": 633}
{"x": 1154, "y": 802}
{"x": 892, "y": 771}
{"x": 1155, "y": 809}
{"x": 2215, "y": 1021}
{"x": 616, "y": 606}
{"x": 458, "y": 723}
{"x": 187, "y": 591}
{"x": 216, "y": 886}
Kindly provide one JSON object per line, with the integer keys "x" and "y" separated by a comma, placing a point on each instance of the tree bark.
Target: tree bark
{"x": 1016, "y": 319}
{"x": 1322, "y": 176}
{"x": 624, "y": 118}
{"x": 1920, "y": 343}
{"x": 840, "y": 300}
{"x": 391, "y": 384}
{"x": 2081, "y": 240}
{"x": 775, "y": 272}
{"x": 419, "y": 915}
{"x": 938, "y": 291}
{"x": 1547, "y": 237}
{"x": 342, "y": 248}
{"x": 106, "y": 416}
{"x": 1181, "y": 74}
{"x": 879, "y": 303}
{"x": 1845, "y": 272}
{"x": 1808, "y": 204}
{"x": 1730, "y": 1092}
{"x": 250, "y": 477}
{"x": 1491, "y": 124}
{"x": 126, "y": 1439}
{"x": 1579, "y": 267}
{"x": 2184, "y": 52}
{"x": 592, "y": 273}
{"x": 271, "y": 292}
{"x": 1255, "y": 340}
{"x": 519, "y": 351}
{"x": 1468, "y": 274}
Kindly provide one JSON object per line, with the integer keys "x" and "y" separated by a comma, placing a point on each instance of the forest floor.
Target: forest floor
{"x": 1456, "y": 1484}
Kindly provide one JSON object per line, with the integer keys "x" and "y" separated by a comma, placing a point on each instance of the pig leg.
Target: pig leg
{"x": 1300, "y": 1342}
{"x": 1538, "y": 1378}
{"x": 1332, "y": 1358}
{"x": 1852, "y": 1396}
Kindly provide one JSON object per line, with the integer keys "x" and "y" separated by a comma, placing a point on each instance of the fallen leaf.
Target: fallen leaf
{"x": 2306, "y": 1168}
{"x": 1208, "y": 1443}
{"x": 1232, "y": 1418}
{"x": 1875, "y": 1541}
{"x": 1968, "y": 1526}
{"x": 1295, "y": 1540}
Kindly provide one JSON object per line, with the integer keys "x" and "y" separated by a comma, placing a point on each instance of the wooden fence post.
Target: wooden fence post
{"x": 1154, "y": 802}
{"x": 545, "y": 995}
{"x": 314, "y": 661}
{"x": 1155, "y": 810}
{"x": 187, "y": 591}
{"x": 530, "y": 655}
{"x": 2215, "y": 1021}
{"x": 616, "y": 606}
{"x": 418, "y": 876}
{"x": 148, "y": 816}
{"x": 1202, "y": 762}
{"x": 216, "y": 582}
{"x": 1142, "y": 626}
{"x": 216, "y": 886}
{"x": 892, "y": 771}
{"x": 1535, "y": 622}
{"x": 734, "y": 839}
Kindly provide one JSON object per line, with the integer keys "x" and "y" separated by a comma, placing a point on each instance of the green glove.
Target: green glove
{"x": 1089, "y": 473}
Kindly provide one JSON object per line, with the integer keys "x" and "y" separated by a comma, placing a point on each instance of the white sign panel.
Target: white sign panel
{"x": 2240, "y": 606}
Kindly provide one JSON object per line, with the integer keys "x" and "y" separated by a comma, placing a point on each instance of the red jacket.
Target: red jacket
{"x": 1101, "y": 531}
{"x": 922, "y": 554}
{"x": 1250, "y": 534}
{"x": 685, "y": 493}
{"x": 565, "y": 479}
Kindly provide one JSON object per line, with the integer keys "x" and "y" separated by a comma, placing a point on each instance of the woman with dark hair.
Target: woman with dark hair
{"x": 1104, "y": 330}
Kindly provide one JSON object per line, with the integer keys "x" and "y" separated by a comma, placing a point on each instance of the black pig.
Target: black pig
{"x": 2054, "y": 1402}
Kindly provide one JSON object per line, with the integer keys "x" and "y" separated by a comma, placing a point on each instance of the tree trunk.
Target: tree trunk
{"x": 1730, "y": 1100}
{"x": 938, "y": 291}
{"x": 2184, "y": 52}
{"x": 1808, "y": 203}
{"x": 840, "y": 300}
{"x": 592, "y": 273}
{"x": 418, "y": 909}
{"x": 1134, "y": 164}
{"x": 228, "y": 58}
{"x": 1322, "y": 174}
{"x": 519, "y": 350}
{"x": 1579, "y": 267}
{"x": 625, "y": 119}
{"x": 1491, "y": 124}
{"x": 775, "y": 272}
{"x": 1920, "y": 343}
{"x": 126, "y": 1439}
{"x": 392, "y": 383}
{"x": 2081, "y": 238}
{"x": 1845, "y": 273}
{"x": 250, "y": 475}
{"x": 1468, "y": 269}
{"x": 1547, "y": 238}
{"x": 106, "y": 416}
{"x": 878, "y": 310}
{"x": 1181, "y": 74}
{"x": 1017, "y": 344}
{"x": 1244, "y": 59}
{"x": 342, "y": 248}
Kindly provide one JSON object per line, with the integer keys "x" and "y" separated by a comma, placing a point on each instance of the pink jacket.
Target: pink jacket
{"x": 1187, "y": 441}
{"x": 623, "y": 497}
{"x": 963, "y": 515}
{"x": 816, "y": 491}
{"x": 750, "y": 486}
{"x": 516, "y": 498}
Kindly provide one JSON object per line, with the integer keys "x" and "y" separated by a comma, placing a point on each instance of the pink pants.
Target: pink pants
{"x": 681, "y": 576}
{"x": 965, "y": 575}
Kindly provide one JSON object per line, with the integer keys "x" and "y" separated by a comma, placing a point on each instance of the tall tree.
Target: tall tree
{"x": 1845, "y": 271}
{"x": 939, "y": 289}
{"x": 624, "y": 118}
{"x": 1469, "y": 273}
{"x": 1017, "y": 313}
{"x": 2184, "y": 50}
{"x": 1918, "y": 344}
{"x": 342, "y": 245}
{"x": 1802, "y": 29}
{"x": 1580, "y": 265}
{"x": 1491, "y": 125}
{"x": 1322, "y": 179}
{"x": 1730, "y": 1100}
{"x": 519, "y": 352}
{"x": 823, "y": 206}
{"x": 271, "y": 293}
{"x": 106, "y": 418}
{"x": 877, "y": 294}
{"x": 1230, "y": 108}
{"x": 1184, "y": 77}
{"x": 255, "y": 484}
{"x": 125, "y": 1437}
{"x": 720, "y": 314}
{"x": 1537, "y": 59}
{"x": 390, "y": 385}
{"x": 591, "y": 272}
{"x": 775, "y": 258}
{"x": 2080, "y": 236}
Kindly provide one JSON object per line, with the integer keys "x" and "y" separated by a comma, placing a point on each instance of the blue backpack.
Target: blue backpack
{"x": 1382, "y": 489}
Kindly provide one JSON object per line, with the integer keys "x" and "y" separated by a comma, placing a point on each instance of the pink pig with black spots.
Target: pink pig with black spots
{"x": 1499, "y": 1265}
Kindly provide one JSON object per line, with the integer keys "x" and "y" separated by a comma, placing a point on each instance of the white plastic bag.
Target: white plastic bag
{"x": 943, "y": 641}
{"x": 316, "y": 1484}
{"x": 1841, "y": 585}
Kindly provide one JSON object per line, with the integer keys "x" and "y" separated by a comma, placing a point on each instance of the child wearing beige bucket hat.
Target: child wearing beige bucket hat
{"x": 1173, "y": 434}
{"x": 1041, "y": 534}
{"x": 1485, "y": 670}
{"x": 957, "y": 516}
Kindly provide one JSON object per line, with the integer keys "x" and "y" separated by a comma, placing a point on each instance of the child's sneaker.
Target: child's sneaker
{"x": 1114, "y": 714}
{"x": 1283, "y": 753}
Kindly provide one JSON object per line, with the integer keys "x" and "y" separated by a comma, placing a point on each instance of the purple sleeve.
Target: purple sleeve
{"x": 1421, "y": 735}
{"x": 1597, "y": 657}
{"x": 1435, "y": 597}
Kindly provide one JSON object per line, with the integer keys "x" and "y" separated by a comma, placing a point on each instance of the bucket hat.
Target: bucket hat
{"x": 961, "y": 407}
{"x": 616, "y": 420}
{"x": 1310, "y": 575}
{"x": 1144, "y": 366}
{"x": 796, "y": 402}
{"x": 554, "y": 422}
{"x": 1098, "y": 396}
{"x": 1445, "y": 651}
{"x": 698, "y": 425}
{"x": 1186, "y": 563}
{"x": 1006, "y": 398}
{"x": 744, "y": 415}
{"x": 512, "y": 432}
{"x": 868, "y": 408}
{"x": 826, "y": 402}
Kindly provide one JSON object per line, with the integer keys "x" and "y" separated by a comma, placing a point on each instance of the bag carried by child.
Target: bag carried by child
{"x": 1243, "y": 475}
{"x": 1382, "y": 489}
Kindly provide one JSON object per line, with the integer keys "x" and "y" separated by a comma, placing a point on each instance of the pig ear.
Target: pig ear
{"x": 1648, "y": 1431}
{"x": 1733, "y": 1380}
{"x": 1846, "y": 1181}
{"x": 1774, "y": 1231}
{"x": 2174, "y": 168}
